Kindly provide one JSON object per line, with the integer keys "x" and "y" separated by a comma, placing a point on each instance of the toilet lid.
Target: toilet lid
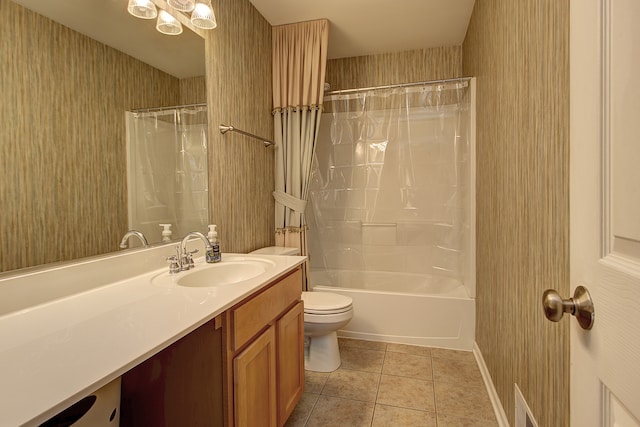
{"x": 325, "y": 302}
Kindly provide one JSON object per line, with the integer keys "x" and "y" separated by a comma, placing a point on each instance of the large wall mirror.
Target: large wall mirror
{"x": 70, "y": 72}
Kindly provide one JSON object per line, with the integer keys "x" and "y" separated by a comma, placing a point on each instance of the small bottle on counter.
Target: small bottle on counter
{"x": 216, "y": 255}
{"x": 166, "y": 232}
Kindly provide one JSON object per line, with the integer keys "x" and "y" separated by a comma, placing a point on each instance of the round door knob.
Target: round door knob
{"x": 580, "y": 306}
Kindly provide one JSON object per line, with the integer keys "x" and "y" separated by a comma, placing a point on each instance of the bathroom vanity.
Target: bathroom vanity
{"x": 188, "y": 354}
{"x": 245, "y": 367}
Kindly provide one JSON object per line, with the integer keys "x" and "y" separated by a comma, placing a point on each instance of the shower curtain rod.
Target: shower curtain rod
{"x": 173, "y": 107}
{"x": 363, "y": 89}
{"x": 224, "y": 129}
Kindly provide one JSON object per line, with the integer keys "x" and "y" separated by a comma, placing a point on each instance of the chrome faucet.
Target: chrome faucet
{"x": 139, "y": 235}
{"x": 186, "y": 260}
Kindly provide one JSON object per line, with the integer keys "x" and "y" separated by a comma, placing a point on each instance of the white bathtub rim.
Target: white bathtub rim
{"x": 456, "y": 287}
{"x": 328, "y": 288}
{"x": 431, "y": 342}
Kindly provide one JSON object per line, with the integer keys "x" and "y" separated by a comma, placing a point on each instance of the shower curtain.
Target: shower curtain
{"x": 299, "y": 62}
{"x": 167, "y": 170}
{"x": 390, "y": 187}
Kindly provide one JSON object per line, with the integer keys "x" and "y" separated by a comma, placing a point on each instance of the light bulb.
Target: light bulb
{"x": 203, "y": 16}
{"x": 144, "y": 9}
{"x": 182, "y": 5}
{"x": 167, "y": 24}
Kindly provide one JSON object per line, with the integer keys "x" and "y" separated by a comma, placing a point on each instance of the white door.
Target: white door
{"x": 605, "y": 210}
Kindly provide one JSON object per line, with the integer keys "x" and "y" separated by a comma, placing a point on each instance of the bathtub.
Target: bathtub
{"x": 403, "y": 308}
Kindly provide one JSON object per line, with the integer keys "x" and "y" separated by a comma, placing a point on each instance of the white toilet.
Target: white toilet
{"x": 324, "y": 314}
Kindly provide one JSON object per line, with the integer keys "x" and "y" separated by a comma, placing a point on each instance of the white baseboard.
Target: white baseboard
{"x": 501, "y": 416}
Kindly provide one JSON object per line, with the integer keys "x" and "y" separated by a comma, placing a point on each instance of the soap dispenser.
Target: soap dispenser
{"x": 166, "y": 232}
{"x": 215, "y": 256}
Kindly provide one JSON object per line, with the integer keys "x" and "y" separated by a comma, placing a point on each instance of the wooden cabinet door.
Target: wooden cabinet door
{"x": 254, "y": 383}
{"x": 290, "y": 340}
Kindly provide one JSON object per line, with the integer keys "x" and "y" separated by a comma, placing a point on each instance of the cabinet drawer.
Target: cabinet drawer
{"x": 252, "y": 316}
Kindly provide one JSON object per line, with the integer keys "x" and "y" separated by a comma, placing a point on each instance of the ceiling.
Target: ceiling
{"x": 357, "y": 27}
{"x": 365, "y": 27}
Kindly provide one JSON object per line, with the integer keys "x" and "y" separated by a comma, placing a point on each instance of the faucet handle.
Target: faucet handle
{"x": 184, "y": 261}
{"x": 174, "y": 266}
{"x": 190, "y": 259}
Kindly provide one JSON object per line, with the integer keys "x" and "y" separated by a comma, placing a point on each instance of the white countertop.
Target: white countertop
{"x": 55, "y": 353}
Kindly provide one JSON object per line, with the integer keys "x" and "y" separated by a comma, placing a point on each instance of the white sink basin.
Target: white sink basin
{"x": 219, "y": 274}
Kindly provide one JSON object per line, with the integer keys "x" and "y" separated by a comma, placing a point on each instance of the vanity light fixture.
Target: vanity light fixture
{"x": 167, "y": 24}
{"x": 144, "y": 9}
{"x": 202, "y": 15}
{"x": 182, "y": 5}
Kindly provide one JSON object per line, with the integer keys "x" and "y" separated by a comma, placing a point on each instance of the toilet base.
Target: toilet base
{"x": 323, "y": 354}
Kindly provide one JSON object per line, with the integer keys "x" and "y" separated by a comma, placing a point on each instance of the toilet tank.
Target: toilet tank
{"x": 276, "y": 250}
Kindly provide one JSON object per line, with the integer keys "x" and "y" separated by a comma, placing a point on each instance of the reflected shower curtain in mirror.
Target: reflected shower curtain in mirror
{"x": 167, "y": 171}
{"x": 299, "y": 62}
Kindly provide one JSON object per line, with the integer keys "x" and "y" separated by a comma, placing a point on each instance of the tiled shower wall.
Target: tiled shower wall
{"x": 519, "y": 51}
{"x": 386, "y": 69}
{"x": 390, "y": 188}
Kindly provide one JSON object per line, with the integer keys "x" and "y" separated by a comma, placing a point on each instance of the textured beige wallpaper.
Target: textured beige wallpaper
{"x": 519, "y": 51}
{"x": 62, "y": 138}
{"x": 394, "y": 68}
{"x": 241, "y": 169}
{"x": 193, "y": 90}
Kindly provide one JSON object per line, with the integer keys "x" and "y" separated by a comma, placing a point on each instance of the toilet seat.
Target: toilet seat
{"x": 325, "y": 303}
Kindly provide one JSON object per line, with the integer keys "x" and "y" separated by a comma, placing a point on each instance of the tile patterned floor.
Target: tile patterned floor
{"x": 383, "y": 385}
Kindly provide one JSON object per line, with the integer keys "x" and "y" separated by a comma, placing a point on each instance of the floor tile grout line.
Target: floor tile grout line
{"x": 373, "y": 414}
{"x": 433, "y": 384}
{"x": 324, "y": 384}
{"x": 375, "y": 402}
{"x": 347, "y": 398}
{"x": 406, "y": 407}
{"x": 306, "y": 421}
